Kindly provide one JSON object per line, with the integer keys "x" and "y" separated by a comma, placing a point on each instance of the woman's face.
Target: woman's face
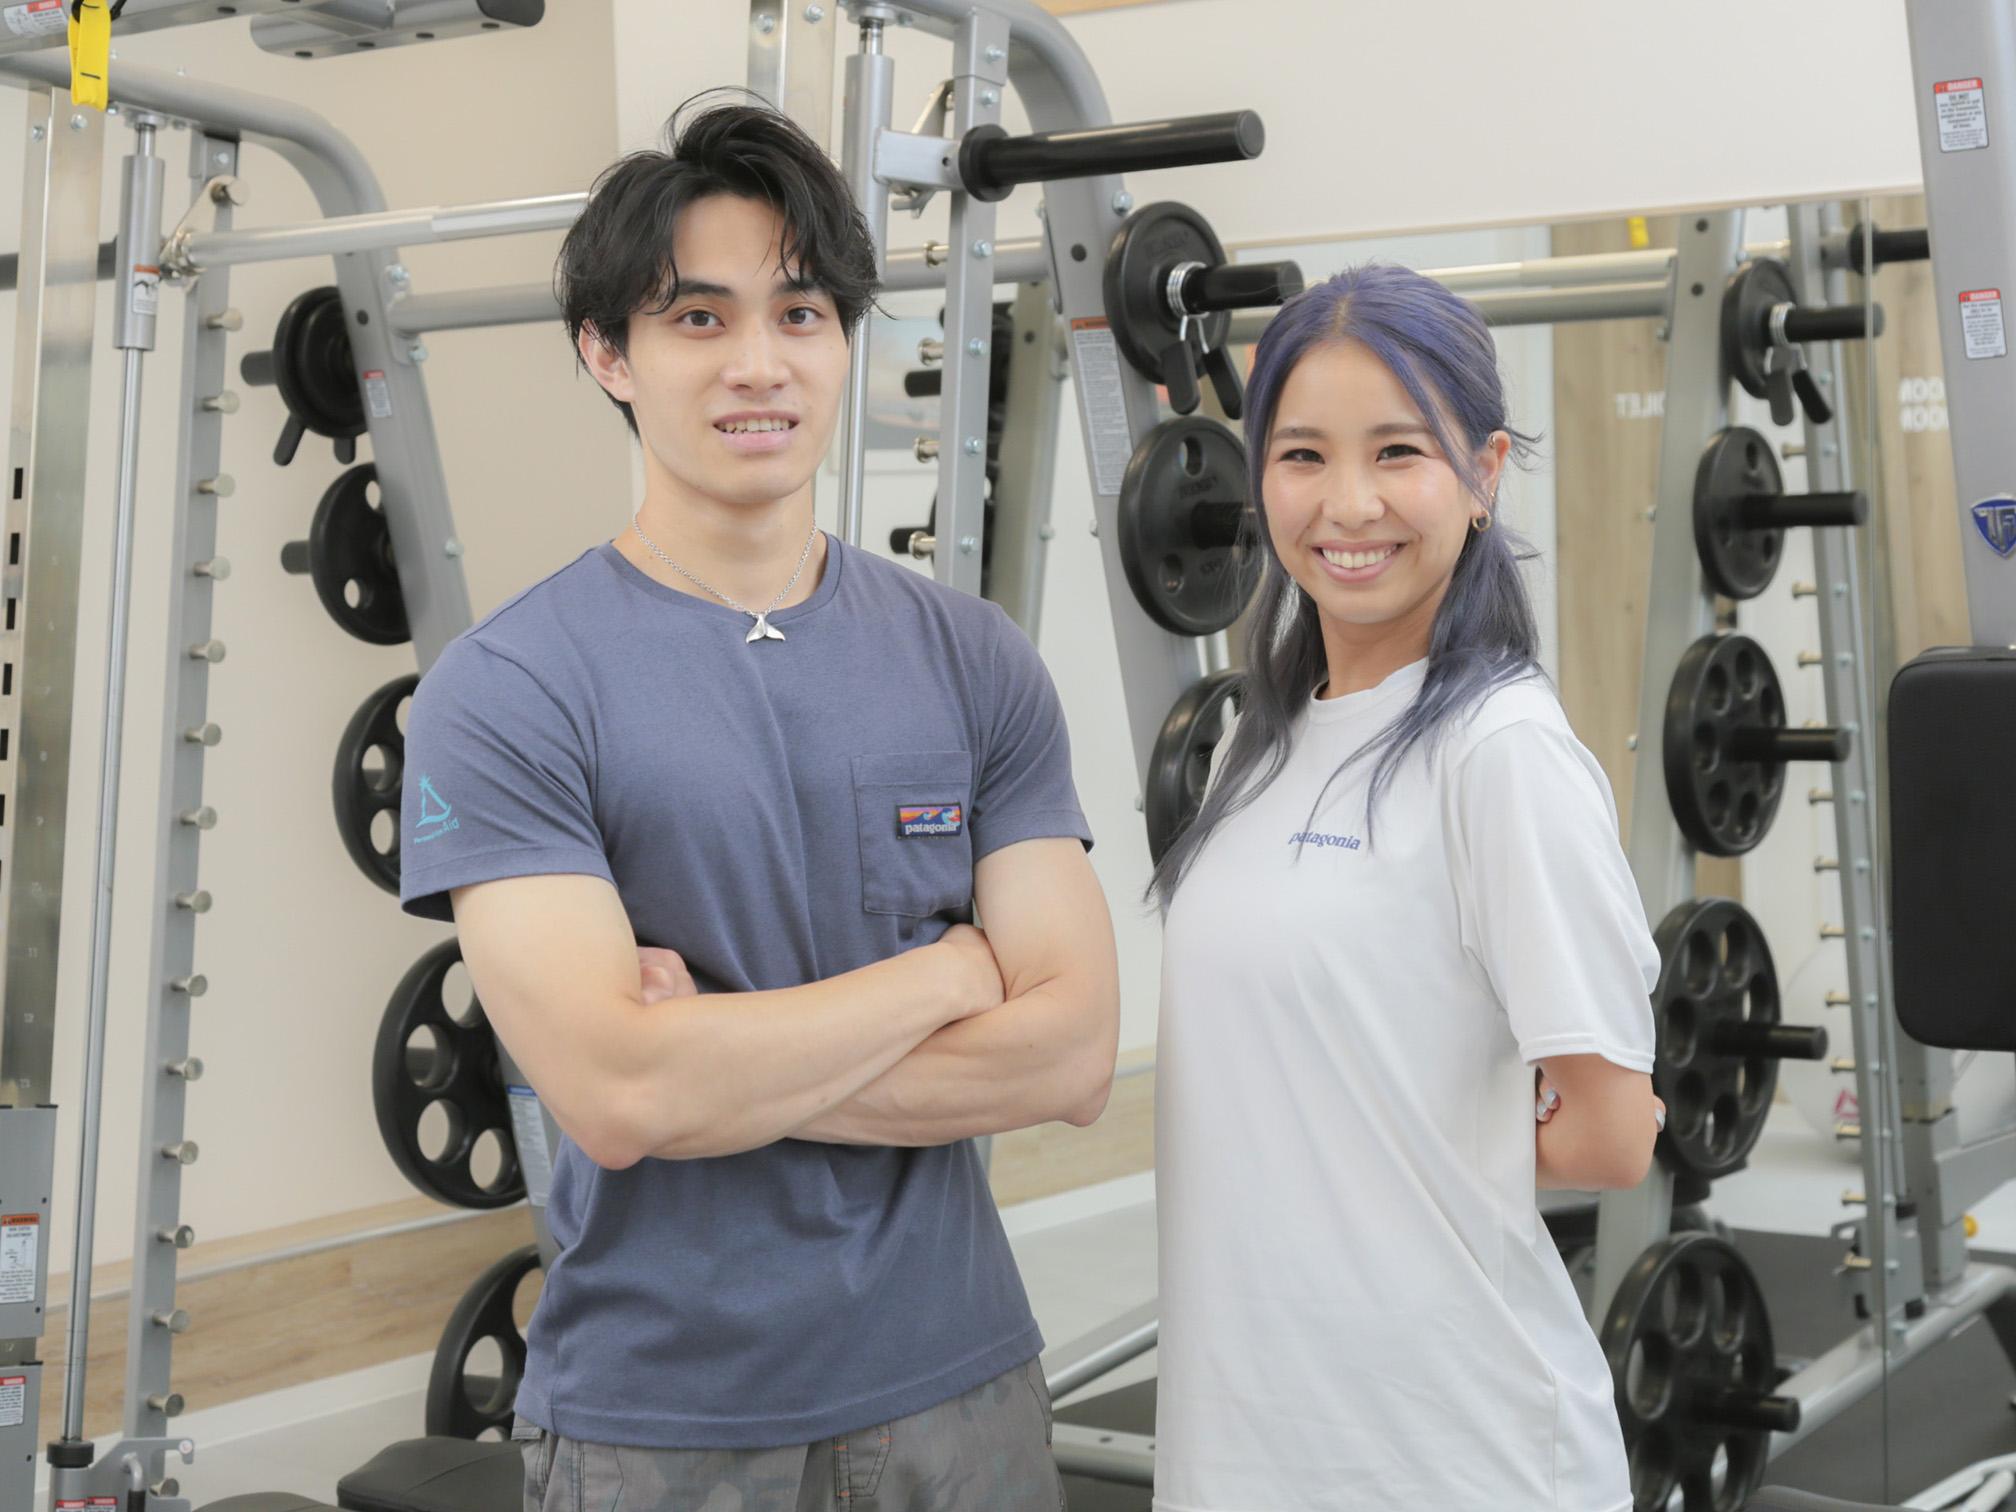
{"x": 1364, "y": 509}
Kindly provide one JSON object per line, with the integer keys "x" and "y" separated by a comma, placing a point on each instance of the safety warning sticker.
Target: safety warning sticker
{"x": 528, "y": 1126}
{"x": 38, "y": 18}
{"x": 13, "y": 1401}
{"x": 1097, "y": 364}
{"x": 378, "y": 394}
{"x": 146, "y": 289}
{"x": 1981, "y": 323}
{"x": 20, "y": 1240}
{"x": 1963, "y": 115}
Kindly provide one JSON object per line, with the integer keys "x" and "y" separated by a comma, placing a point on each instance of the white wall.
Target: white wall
{"x": 301, "y": 951}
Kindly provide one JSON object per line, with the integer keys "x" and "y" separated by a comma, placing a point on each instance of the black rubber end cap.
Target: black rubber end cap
{"x": 1252, "y": 133}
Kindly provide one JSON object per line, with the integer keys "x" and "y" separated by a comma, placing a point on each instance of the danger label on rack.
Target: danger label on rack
{"x": 1981, "y": 323}
{"x": 13, "y": 1401}
{"x": 1963, "y": 115}
{"x": 378, "y": 394}
{"x": 1095, "y": 358}
{"x": 146, "y": 289}
{"x": 20, "y": 1243}
{"x": 38, "y": 18}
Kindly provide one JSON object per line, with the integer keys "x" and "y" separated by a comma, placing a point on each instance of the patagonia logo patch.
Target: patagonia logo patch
{"x": 914, "y": 820}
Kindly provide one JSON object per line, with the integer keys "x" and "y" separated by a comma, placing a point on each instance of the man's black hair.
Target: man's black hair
{"x": 617, "y": 259}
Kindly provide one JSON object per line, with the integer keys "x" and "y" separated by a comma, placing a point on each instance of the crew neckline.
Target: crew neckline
{"x": 1402, "y": 683}
{"x": 637, "y": 577}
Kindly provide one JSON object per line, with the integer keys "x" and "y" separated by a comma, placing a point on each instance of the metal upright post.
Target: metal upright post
{"x": 1678, "y": 611}
{"x": 194, "y": 569}
{"x": 136, "y": 300}
{"x": 791, "y": 49}
{"x": 979, "y": 74}
{"x": 1846, "y": 674}
{"x": 55, "y": 312}
{"x": 871, "y": 83}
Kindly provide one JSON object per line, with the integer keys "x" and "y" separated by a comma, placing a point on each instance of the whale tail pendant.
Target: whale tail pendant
{"x": 763, "y": 630}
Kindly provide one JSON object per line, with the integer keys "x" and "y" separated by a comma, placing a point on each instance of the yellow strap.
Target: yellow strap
{"x": 91, "y": 53}
{"x": 1641, "y": 234}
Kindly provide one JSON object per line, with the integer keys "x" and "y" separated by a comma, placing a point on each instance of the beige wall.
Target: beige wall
{"x": 301, "y": 951}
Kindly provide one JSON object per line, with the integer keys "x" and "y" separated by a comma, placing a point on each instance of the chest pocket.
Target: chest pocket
{"x": 915, "y": 812}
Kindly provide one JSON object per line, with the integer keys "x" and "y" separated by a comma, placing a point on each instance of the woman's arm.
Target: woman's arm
{"x": 1599, "y": 1135}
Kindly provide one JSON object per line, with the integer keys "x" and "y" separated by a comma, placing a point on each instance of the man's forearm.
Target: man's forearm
{"x": 755, "y": 1066}
{"x": 1042, "y": 1057}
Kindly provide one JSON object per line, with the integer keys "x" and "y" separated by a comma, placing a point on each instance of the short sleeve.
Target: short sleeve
{"x": 1025, "y": 789}
{"x": 1548, "y": 903}
{"x": 496, "y": 783}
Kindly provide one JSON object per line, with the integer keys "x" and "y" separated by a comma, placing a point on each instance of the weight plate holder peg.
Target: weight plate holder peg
{"x": 348, "y": 556}
{"x": 368, "y": 779}
{"x": 1689, "y": 1345}
{"x": 1716, "y": 1008}
{"x": 1741, "y": 512}
{"x": 1764, "y": 328}
{"x": 311, "y": 364}
{"x": 433, "y": 1054}
{"x": 1726, "y": 745}
{"x": 1188, "y": 540}
{"x": 476, "y": 1404}
{"x": 1179, "y": 768}
{"x": 1169, "y": 293}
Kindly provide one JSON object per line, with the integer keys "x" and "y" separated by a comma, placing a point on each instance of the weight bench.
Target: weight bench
{"x": 419, "y": 1475}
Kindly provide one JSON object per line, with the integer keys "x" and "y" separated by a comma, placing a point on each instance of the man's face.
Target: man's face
{"x": 737, "y": 385}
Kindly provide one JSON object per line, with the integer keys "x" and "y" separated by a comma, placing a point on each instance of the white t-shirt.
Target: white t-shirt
{"x": 1360, "y": 1306}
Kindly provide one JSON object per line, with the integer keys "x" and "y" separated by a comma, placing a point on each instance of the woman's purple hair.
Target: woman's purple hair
{"x": 1438, "y": 347}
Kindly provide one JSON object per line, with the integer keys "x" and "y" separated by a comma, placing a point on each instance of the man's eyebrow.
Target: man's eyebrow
{"x": 690, "y": 288}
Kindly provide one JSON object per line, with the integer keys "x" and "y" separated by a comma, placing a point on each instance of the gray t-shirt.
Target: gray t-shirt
{"x": 778, "y": 813}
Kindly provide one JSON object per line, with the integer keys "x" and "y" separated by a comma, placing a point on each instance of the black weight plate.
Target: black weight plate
{"x": 1688, "y": 1327}
{"x": 1179, "y": 768}
{"x": 1737, "y": 466}
{"x": 1187, "y": 587}
{"x": 364, "y": 788}
{"x": 1715, "y": 973}
{"x": 1149, "y": 244}
{"x": 1724, "y": 684}
{"x": 467, "y": 1404}
{"x": 313, "y": 367}
{"x": 430, "y": 1054}
{"x": 350, "y": 561}
{"x": 1752, "y": 292}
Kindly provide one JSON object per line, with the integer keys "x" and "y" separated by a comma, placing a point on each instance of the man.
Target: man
{"x": 715, "y": 795}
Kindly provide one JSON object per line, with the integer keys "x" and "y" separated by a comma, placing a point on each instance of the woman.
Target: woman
{"x": 1403, "y": 892}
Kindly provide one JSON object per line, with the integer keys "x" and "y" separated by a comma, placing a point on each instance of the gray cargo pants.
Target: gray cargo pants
{"x": 985, "y": 1451}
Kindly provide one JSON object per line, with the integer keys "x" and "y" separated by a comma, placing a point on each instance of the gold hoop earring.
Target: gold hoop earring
{"x": 1481, "y": 522}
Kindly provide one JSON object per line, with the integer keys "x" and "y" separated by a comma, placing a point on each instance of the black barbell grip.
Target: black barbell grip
{"x": 1782, "y": 745}
{"x": 1834, "y": 322}
{"x": 928, "y": 384}
{"x": 256, "y": 368}
{"x": 294, "y": 558}
{"x": 1788, "y": 511}
{"x": 1772, "y": 1041}
{"x": 1217, "y": 523}
{"x": 1889, "y": 247}
{"x": 1240, "y": 286}
{"x": 991, "y": 162}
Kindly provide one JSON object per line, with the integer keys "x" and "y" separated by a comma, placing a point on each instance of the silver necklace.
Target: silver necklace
{"x": 763, "y": 629}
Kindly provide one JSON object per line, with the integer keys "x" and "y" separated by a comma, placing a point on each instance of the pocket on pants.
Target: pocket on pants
{"x": 1040, "y": 1388}
{"x": 535, "y": 1447}
{"x": 858, "y": 1459}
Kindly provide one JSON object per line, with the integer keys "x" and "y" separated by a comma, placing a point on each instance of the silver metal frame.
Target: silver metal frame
{"x": 56, "y": 312}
